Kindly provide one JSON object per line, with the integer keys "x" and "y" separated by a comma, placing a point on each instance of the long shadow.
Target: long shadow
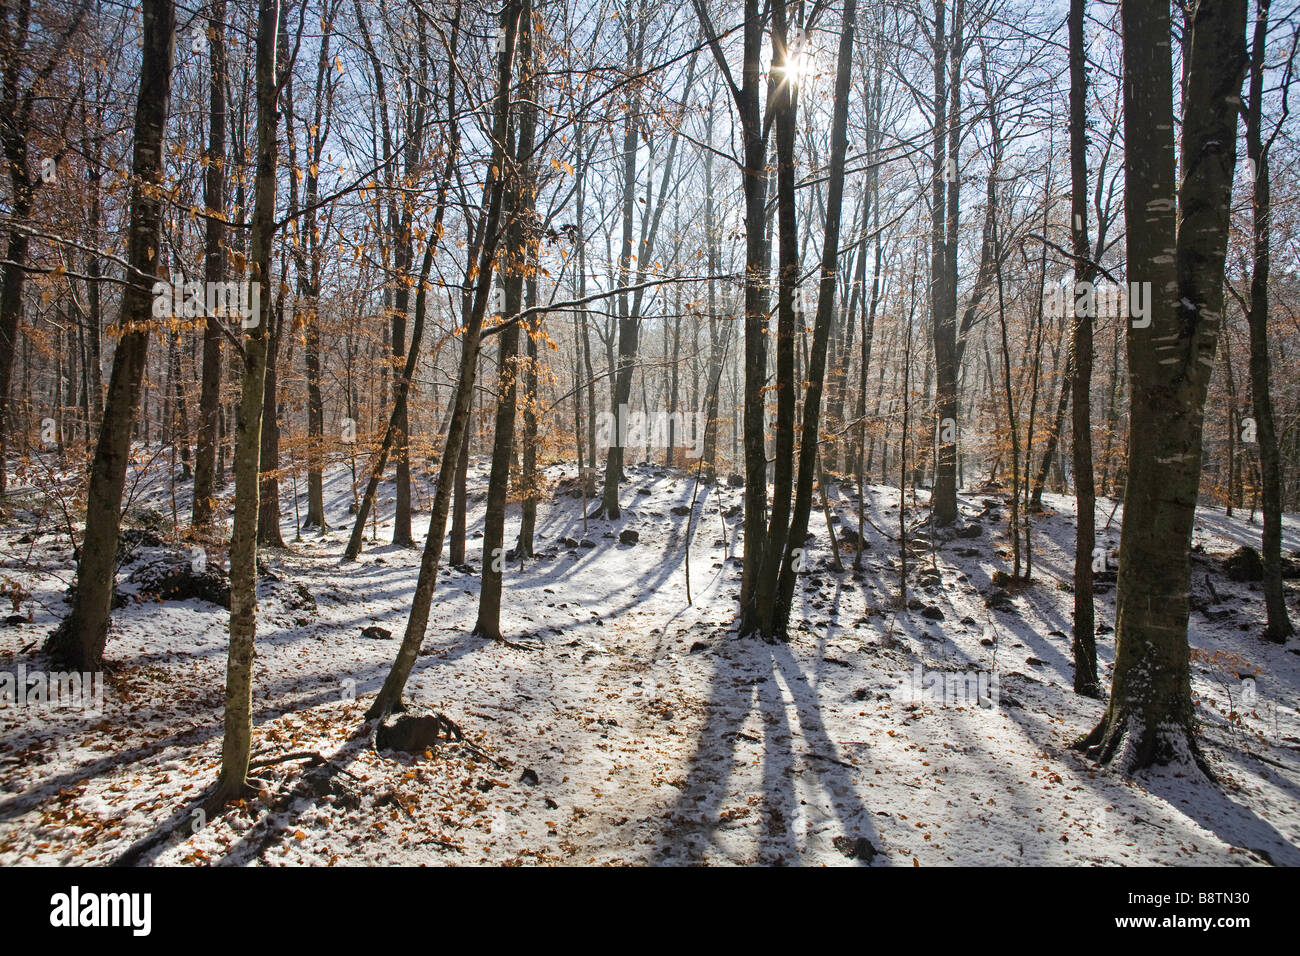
{"x": 191, "y": 737}
{"x": 750, "y": 676}
{"x": 1232, "y": 822}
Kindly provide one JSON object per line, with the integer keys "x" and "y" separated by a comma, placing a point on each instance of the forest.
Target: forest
{"x": 594, "y": 432}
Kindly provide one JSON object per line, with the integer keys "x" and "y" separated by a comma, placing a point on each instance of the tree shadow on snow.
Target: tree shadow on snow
{"x": 806, "y": 804}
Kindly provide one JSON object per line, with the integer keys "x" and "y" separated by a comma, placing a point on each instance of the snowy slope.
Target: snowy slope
{"x": 630, "y": 727}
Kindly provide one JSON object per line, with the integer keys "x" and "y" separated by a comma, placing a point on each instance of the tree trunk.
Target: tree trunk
{"x": 214, "y": 270}
{"x": 1279, "y": 626}
{"x": 79, "y": 641}
{"x": 809, "y": 448}
{"x": 238, "y": 740}
{"x": 456, "y": 556}
{"x": 1150, "y": 716}
{"x": 785, "y": 109}
{"x": 528, "y": 476}
{"x": 268, "y": 519}
{"x": 393, "y": 433}
{"x": 515, "y": 262}
{"x": 754, "y": 183}
{"x": 945, "y": 187}
{"x": 1079, "y": 369}
{"x": 629, "y": 324}
{"x": 390, "y": 695}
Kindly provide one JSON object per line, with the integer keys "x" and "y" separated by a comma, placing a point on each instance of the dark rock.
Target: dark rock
{"x": 412, "y": 734}
{"x": 586, "y": 543}
{"x": 300, "y": 599}
{"x": 529, "y": 776}
{"x": 628, "y": 536}
{"x": 932, "y": 613}
{"x": 1244, "y": 564}
{"x": 735, "y": 481}
{"x": 130, "y": 541}
{"x": 680, "y": 510}
{"x": 999, "y": 600}
{"x": 377, "y": 632}
{"x": 859, "y": 849}
{"x": 174, "y": 579}
{"x": 970, "y": 531}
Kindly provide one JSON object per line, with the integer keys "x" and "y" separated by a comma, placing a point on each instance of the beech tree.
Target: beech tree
{"x": 238, "y": 740}
{"x": 1177, "y": 241}
{"x": 80, "y": 638}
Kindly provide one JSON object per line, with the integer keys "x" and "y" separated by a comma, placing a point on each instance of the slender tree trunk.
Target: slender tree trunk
{"x": 1053, "y": 433}
{"x": 456, "y": 556}
{"x": 785, "y": 109}
{"x": 528, "y": 476}
{"x": 268, "y": 520}
{"x": 392, "y": 434}
{"x": 1079, "y": 368}
{"x": 178, "y": 418}
{"x": 390, "y": 695}
{"x": 214, "y": 269}
{"x": 943, "y": 279}
{"x": 79, "y": 641}
{"x": 629, "y": 323}
{"x": 1279, "y": 626}
{"x": 754, "y": 174}
{"x": 238, "y": 740}
{"x": 515, "y": 262}
{"x": 810, "y": 449}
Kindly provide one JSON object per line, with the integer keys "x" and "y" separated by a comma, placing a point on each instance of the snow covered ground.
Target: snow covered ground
{"x": 632, "y": 727}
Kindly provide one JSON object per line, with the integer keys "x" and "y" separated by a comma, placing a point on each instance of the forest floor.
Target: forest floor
{"x": 627, "y": 725}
